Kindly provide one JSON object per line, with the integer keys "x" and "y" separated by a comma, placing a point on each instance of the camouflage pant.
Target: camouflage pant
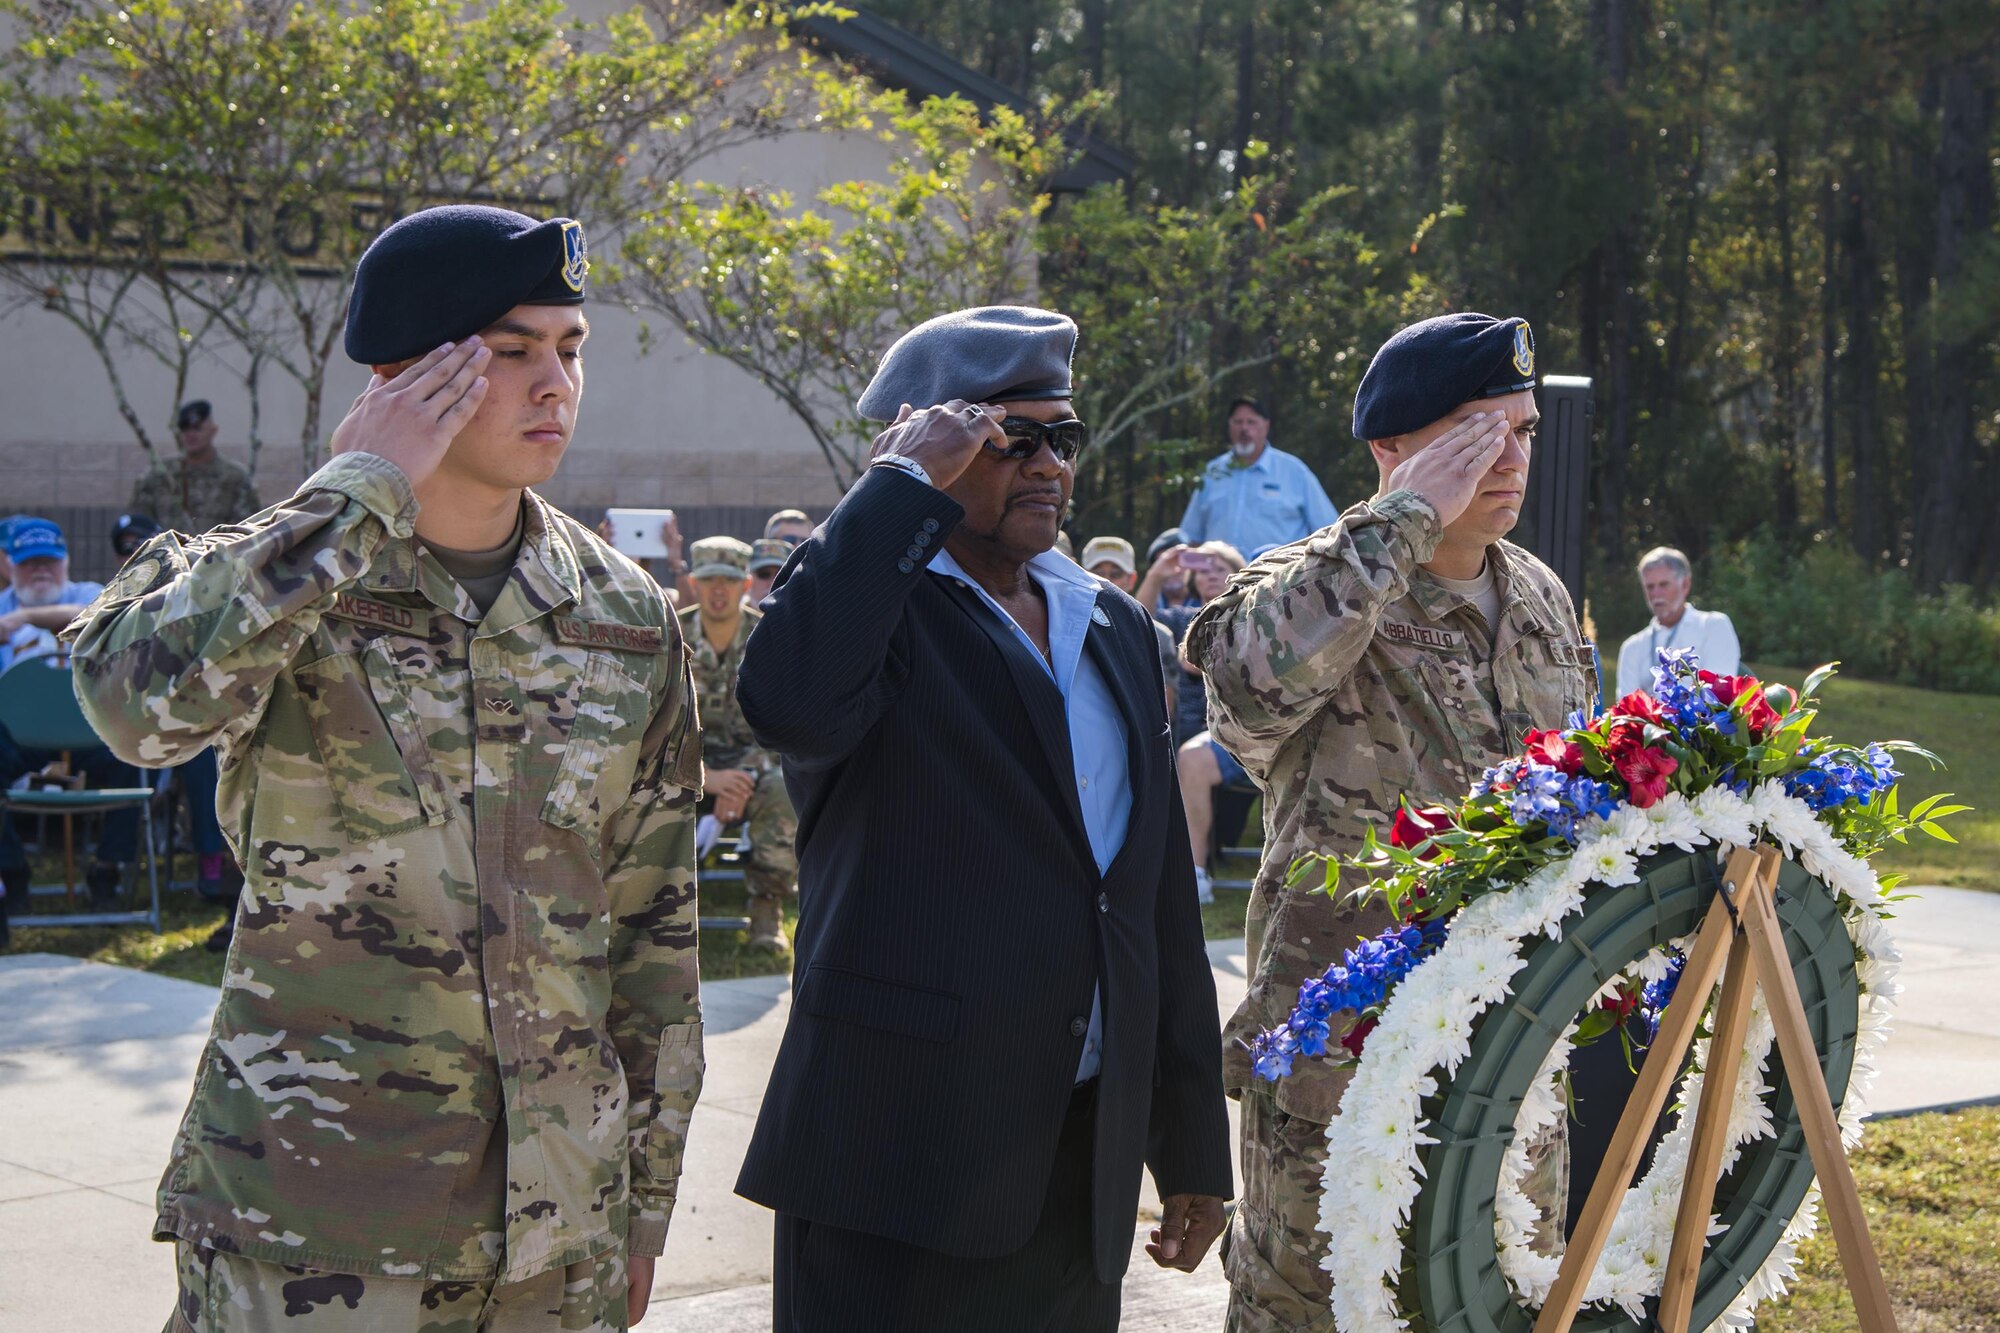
{"x": 1274, "y": 1249}
{"x": 771, "y": 867}
{"x": 227, "y": 1293}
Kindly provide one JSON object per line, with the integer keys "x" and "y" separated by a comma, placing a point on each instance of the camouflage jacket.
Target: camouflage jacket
{"x": 1344, "y": 677}
{"x": 726, "y": 741}
{"x": 190, "y": 497}
{"x": 459, "y": 1036}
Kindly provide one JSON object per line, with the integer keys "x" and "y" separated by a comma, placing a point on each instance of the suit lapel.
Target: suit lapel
{"x": 1115, "y": 665}
{"x": 1040, "y": 698}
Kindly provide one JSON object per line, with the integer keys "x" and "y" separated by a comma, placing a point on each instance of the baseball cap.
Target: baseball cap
{"x": 1111, "y": 550}
{"x": 33, "y": 539}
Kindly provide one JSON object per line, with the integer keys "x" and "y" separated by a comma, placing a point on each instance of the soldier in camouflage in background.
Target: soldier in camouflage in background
{"x": 744, "y": 780}
{"x": 1397, "y": 653}
{"x": 200, "y": 489}
{"x": 459, "y": 1039}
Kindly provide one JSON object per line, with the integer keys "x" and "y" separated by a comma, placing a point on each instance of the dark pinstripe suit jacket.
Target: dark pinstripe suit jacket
{"x": 952, "y": 920}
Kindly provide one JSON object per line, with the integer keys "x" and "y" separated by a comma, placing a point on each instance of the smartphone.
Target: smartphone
{"x": 636, "y": 532}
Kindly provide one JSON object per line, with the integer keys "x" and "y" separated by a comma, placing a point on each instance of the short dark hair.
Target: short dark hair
{"x": 1253, "y": 404}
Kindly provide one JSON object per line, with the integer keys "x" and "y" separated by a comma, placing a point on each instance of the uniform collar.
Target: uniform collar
{"x": 1521, "y": 611}
{"x": 546, "y": 575}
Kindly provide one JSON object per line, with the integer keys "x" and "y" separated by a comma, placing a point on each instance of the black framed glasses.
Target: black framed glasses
{"x": 1026, "y": 436}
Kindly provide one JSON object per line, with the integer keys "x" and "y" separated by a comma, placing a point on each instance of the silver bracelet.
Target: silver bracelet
{"x": 903, "y": 464}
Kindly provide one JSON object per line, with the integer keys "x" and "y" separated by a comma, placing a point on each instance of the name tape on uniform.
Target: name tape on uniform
{"x": 409, "y": 619}
{"x": 1422, "y": 636}
{"x": 611, "y": 634}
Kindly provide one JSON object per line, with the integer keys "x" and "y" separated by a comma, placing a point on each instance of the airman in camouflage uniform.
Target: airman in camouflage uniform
{"x": 771, "y": 866}
{"x": 200, "y": 489}
{"x": 459, "y": 1038}
{"x": 1346, "y": 675}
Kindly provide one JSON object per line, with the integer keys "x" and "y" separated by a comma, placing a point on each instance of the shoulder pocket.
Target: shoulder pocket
{"x": 370, "y": 743}
{"x": 601, "y": 760}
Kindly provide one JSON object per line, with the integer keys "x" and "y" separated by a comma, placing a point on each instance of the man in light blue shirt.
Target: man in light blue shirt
{"x": 1256, "y": 495}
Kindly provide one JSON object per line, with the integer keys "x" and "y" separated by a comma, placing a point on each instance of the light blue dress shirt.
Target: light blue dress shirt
{"x": 1275, "y": 500}
{"x": 32, "y": 640}
{"x": 1096, "y": 727}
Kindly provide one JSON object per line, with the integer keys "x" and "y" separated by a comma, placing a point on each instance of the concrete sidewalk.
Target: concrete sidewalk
{"x": 96, "y": 1063}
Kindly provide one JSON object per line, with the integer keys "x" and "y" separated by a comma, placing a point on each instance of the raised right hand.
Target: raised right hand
{"x": 1448, "y": 471}
{"x": 944, "y": 439}
{"x": 412, "y": 418}
{"x": 732, "y": 789}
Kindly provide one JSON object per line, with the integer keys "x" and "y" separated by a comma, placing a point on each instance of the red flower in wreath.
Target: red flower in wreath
{"x": 1638, "y": 704}
{"x": 1553, "y": 749}
{"x": 1357, "y": 1036}
{"x": 1748, "y": 691}
{"x": 1413, "y": 826}
{"x": 1621, "y": 1005}
{"x": 1645, "y": 769}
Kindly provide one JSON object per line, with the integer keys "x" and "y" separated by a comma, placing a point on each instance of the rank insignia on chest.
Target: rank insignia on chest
{"x": 406, "y": 619}
{"x": 610, "y": 634}
{"x": 1422, "y": 636}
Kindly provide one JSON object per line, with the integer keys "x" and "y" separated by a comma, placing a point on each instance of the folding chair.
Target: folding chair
{"x": 39, "y": 709}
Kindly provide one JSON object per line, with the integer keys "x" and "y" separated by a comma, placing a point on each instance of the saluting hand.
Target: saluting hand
{"x": 943, "y": 440}
{"x": 1448, "y": 471}
{"x": 411, "y": 418}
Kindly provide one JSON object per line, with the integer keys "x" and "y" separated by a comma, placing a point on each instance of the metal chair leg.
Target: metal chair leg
{"x": 152, "y": 864}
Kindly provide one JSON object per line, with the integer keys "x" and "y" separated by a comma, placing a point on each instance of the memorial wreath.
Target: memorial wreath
{"x": 1554, "y": 906}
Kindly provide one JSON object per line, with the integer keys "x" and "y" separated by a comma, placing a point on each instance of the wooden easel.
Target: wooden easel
{"x": 1743, "y": 923}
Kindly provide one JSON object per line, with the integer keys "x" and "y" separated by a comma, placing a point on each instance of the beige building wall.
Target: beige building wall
{"x": 670, "y": 427}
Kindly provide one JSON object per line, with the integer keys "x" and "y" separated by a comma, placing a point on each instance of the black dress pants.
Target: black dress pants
{"x": 830, "y": 1280}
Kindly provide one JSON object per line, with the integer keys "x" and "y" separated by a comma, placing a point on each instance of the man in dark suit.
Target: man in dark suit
{"x": 1002, "y": 1006}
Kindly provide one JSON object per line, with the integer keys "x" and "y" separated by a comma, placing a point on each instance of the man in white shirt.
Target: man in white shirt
{"x": 1667, "y": 577}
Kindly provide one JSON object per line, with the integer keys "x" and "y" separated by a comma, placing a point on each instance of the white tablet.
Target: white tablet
{"x": 636, "y": 532}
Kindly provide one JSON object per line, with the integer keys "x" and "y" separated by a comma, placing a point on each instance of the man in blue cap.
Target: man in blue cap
{"x": 1394, "y": 654}
{"x": 1003, "y": 1009}
{"x": 41, "y": 600}
{"x": 450, "y": 1080}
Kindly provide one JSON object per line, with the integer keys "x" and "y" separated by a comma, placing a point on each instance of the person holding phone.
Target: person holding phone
{"x": 1003, "y": 1009}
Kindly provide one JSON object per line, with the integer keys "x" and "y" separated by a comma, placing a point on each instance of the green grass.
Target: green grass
{"x": 1930, "y": 1185}
{"x": 1961, "y": 729}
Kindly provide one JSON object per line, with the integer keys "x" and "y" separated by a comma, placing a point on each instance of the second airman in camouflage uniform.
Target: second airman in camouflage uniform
{"x": 199, "y": 489}
{"x": 745, "y": 782}
{"x": 449, "y": 1080}
{"x": 1347, "y": 671}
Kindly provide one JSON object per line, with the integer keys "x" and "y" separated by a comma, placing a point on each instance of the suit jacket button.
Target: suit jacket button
{"x": 1078, "y": 1026}
{"x": 915, "y": 553}
{"x": 922, "y": 539}
{"x": 930, "y": 525}
{"x": 906, "y": 565}
{"x": 1103, "y": 903}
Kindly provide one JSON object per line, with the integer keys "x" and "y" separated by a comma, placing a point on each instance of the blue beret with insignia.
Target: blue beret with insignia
{"x": 443, "y": 274}
{"x": 1431, "y": 367}
{"x": 991, "y": 354}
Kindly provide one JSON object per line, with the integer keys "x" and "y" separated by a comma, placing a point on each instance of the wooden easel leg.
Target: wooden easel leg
{"x": 1711, "y": 1137}
{"x": 1628, "y": 1144}
{"x": 1822, "y": 1129}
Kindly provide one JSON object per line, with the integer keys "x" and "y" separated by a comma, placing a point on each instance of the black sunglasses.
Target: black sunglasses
{"x": 1026, "y": 436}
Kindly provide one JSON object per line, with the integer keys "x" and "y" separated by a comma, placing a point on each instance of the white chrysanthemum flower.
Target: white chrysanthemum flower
{"x": 1612, "y": 866}
{"x": 1671, "y": 823}
{"x": 1724, "y": 816}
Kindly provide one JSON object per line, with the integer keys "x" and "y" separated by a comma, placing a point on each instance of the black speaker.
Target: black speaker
{"x": 1555, "y": 517}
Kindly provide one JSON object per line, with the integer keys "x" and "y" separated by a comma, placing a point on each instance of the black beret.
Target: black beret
{"x": 991, "y": 354}
{"x": 1431, "y": 367}
{"x": 443, "y": 274}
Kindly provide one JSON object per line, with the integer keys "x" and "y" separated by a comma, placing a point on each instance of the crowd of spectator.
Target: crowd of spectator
{"x": 1251, "y": 499}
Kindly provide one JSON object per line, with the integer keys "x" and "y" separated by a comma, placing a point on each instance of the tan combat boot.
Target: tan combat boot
{"x": 767, "y": 925}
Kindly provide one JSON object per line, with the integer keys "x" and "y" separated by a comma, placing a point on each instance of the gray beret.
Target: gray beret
{"x": 992, "y": 354}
